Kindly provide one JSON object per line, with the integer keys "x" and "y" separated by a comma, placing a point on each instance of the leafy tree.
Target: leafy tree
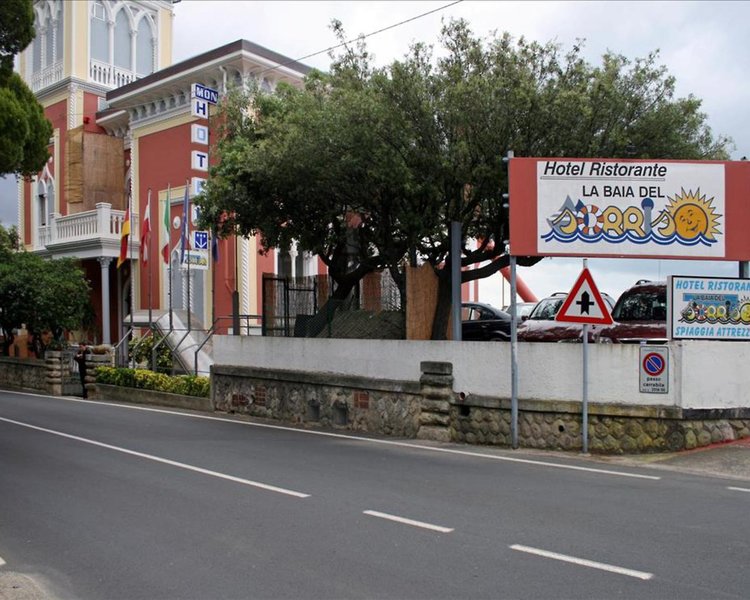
{"x": 24, "y": 130}
{"x": 44, "y": 295}
{"x": 365, "y": 166}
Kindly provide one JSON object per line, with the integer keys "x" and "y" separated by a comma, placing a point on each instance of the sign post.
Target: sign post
{"x": 585, "y": 305}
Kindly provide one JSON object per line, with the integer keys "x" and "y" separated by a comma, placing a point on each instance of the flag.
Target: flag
{"x": 215, "y": 247}
{"x": 124, "y": 236}
{"x": 184, "y": 242}
{"x": 165, "y": 230}
{"x": 146, "y": 230}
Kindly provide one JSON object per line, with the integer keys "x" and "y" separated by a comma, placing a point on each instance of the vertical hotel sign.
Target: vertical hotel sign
{"x": 635, "y": 209}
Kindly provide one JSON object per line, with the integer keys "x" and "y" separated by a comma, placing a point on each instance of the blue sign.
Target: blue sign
{"x": 204, "y": 93}
{"x": 200, "y": 240}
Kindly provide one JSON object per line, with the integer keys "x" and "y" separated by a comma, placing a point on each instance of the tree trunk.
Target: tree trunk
{"x": 443, "y": 306}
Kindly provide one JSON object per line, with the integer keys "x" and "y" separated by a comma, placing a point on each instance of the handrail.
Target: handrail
{"x": 118, "y": 346}
{"x": 212, "y": 330}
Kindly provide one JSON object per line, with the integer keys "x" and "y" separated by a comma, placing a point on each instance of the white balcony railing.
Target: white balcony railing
{"x": 110, "y": 75}
{"x": 100, "y": 224}
{"x": 47, "y": 76}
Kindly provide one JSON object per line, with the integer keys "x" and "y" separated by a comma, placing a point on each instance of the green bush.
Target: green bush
{"x": 140, "y": 350}
{"x": 186, "y": 385}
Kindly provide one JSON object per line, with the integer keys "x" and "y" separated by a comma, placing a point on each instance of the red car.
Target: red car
{"x": 640, "y": 315}
{"x": 541, "y": 326}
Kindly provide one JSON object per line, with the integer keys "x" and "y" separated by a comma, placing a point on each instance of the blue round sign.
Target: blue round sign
{"x": 654, "y": 364}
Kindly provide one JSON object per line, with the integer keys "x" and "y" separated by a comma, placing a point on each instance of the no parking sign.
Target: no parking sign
{"x": 654, "y": 369}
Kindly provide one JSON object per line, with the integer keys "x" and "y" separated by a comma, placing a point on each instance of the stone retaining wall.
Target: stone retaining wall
{"x": 23, "y": 373}
{"x": 338, "y": 401}
{"x": 612, "y": 429}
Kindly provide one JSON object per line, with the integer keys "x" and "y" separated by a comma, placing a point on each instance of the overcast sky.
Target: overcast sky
{"x": 703, "y": 44}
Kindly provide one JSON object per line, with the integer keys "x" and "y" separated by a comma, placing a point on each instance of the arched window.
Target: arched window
{"x": 122, "y": 41}
{"x": 144, "y": 51}
{"x": 99, "y": 32}
{"x": 59, "y": 33}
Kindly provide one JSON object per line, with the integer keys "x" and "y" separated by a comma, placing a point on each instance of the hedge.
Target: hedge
{"x": 186, "y": 385}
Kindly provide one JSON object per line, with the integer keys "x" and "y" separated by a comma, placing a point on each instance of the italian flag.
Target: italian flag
{"x": 165, "y": 231}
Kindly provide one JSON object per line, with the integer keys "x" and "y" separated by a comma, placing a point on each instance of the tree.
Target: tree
{"x": 44, "y": 295}
{"x": 24, "y": 130}
{"x": 414, "y": 146}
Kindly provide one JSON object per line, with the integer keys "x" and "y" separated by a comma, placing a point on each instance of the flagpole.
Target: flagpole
{"x": 130, "y": 250}
{"x": 148, "y": 267}
{"x": 169, "y": 255}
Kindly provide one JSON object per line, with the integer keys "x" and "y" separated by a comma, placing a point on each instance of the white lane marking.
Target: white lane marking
{"x": 2, "y": 562}
{"x": 736, "y": 489}
{"x": 583, "y": 562}
{"x": 413, "y": 523}
{"x": 165, "y": 461}
{"x": 526, "y": 461}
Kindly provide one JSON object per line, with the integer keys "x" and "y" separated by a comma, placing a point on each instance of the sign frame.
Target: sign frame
{"x": 653, "y": 369}
{"x": 726, "y": 220}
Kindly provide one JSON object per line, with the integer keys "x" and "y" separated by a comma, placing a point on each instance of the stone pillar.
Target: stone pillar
{"x": 53, "y": 375}
{"x": 104, "y": 262}
{"x": 437, "y": 391}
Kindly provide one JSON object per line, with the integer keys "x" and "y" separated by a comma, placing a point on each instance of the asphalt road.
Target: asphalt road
{"x": 109, "y": 501}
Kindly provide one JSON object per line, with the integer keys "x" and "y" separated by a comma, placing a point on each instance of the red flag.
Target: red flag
{"x": 146, "y": 231}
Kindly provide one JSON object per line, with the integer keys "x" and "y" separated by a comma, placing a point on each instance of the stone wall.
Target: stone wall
{"x": 612, "y": 429}
{"x": 348, "y": 402}
{"x": 23, "y": 373}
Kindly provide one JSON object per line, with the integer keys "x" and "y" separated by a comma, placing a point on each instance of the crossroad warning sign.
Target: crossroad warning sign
{"x": 584, "y": 303}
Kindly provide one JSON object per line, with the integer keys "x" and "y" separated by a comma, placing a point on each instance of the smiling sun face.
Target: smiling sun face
{"x": 693, "y": 215}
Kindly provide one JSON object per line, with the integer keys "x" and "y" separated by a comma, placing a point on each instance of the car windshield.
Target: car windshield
{"x": 641, "y": 306}
{"x": 546, "y": 309}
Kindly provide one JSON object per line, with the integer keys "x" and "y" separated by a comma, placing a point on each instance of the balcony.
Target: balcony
{"x": 110, "y": 75}
{"x": 47, "y": 76}
{"x": 90, "y": 234}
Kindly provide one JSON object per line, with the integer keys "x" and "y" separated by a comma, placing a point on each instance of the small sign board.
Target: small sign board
{"x": 653, "y": 368}
{"x": 584, "y": 303}
{"x": 208, "y": 94}
{"x": 197, "y": 259}
{"x": 708, "y": 308}
{"x": 200, "y": 240}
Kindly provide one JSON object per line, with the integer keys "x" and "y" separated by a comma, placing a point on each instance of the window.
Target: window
{"x": 144, "y": 52}
{"x": 99, "y": 34}
{"x": 122, "y": 41}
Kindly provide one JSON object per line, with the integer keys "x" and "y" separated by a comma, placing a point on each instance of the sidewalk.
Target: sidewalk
{"x": 729, "y": 459}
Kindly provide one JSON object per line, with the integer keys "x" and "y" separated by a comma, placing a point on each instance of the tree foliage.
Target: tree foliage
{"x": 365, "y": 166}
{"x": 24, "y": 130}
{"x": 42, "y": 294}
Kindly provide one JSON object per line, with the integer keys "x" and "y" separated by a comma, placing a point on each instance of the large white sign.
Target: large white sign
{"x": 709, "y": 308}
{"x": 630, "y": 208}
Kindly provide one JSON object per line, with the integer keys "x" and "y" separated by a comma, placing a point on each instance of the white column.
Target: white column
{"x": 104, "y": 262}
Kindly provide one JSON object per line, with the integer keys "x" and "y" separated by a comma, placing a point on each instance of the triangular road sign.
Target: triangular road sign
{"x": 584, "y": 303}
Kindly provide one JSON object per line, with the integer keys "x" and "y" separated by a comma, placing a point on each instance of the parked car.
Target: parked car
{"x": 640, "y": 314}
{"x": 523, "y": 309}
{"x": 541, "y": 326}
{"x": 483, "y": 322}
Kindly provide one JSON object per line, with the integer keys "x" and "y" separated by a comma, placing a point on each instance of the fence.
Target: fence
{"x": 305, "y": 307}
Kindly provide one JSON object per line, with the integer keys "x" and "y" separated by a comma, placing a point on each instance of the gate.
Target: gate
{"x": 71, "y": 383}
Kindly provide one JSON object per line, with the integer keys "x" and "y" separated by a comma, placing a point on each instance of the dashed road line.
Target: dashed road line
{"x": 412, "y": 522}
{"x": 583, "y": 562}
{"x": 165, "y": 461}
{"x": 2, "y": 562}
{"x": 738, "y": 489}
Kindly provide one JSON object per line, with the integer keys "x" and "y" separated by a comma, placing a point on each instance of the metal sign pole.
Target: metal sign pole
{"x": 585, "y": 403}
{"x": 456, "y": 280}
{"x": 513, "y": 356}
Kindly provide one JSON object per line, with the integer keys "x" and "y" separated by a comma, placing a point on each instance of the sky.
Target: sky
{"x": 702, "y": 44}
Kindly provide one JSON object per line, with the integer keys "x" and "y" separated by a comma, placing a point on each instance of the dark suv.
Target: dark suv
{"x": 484, "y": 323}
{"x": 542, "y": 327}
{"x": 640, "y": 315}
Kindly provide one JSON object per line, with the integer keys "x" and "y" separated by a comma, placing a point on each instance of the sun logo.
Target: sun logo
{"x": 693, "y": 215}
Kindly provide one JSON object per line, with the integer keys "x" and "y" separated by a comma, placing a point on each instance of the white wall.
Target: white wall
{"x": 701, "y": 374}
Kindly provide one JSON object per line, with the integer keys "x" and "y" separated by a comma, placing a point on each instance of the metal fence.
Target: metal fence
{"x": 305, "y": 307}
